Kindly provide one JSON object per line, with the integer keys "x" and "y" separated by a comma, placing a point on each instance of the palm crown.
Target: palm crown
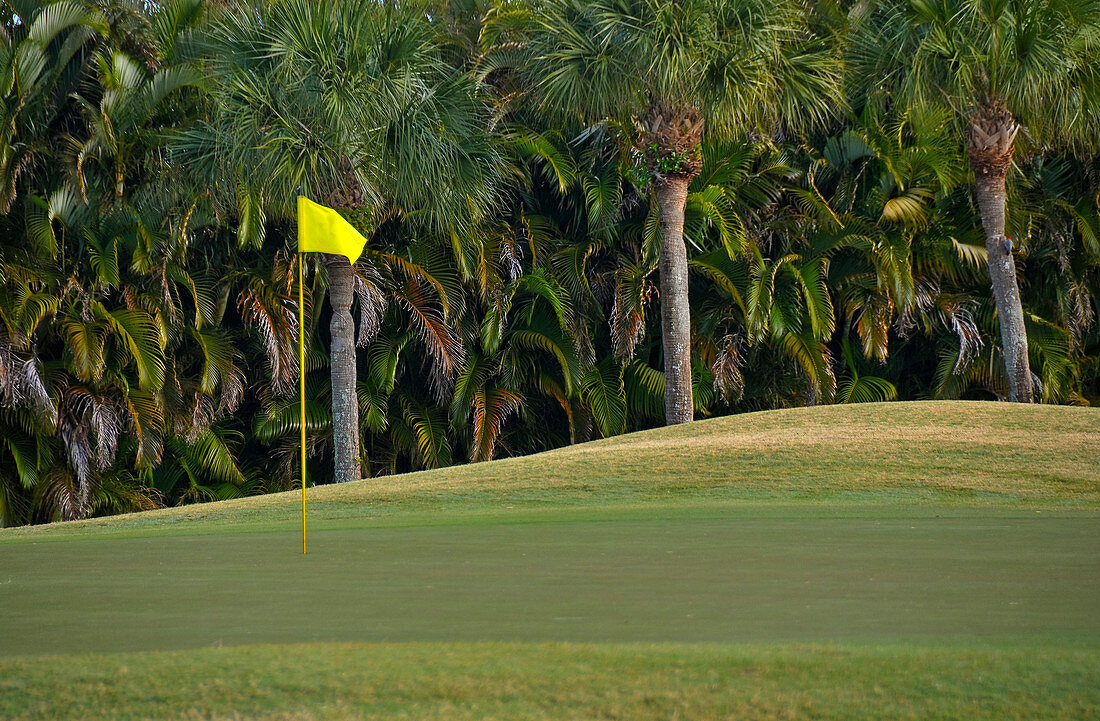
{"x": 1038, "y": 59}
{"x": 351, "y": 103}
{"x": 728, "y": 66}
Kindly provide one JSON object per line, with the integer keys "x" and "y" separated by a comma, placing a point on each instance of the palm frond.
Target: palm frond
{"x": 444, "y": 347}
{"x": 634, "y": 291}
{"x": 605, "y": 396}
{"x": 815, "y": 361}
{"x": 819, "y": 304}
{"x": 429, "y": 427}
{"x": 865, "y": 389}
{"x": 644, "y": 388}
{"x": 548, "y": 338}
{"x": 143, "y": 339}
{"x": 492, "y": 407}
{"x": 281, "y": 417}
{"x": 711, "y": 208}
{"x": 560, "y": 166}
{"x": 603, "y": 194}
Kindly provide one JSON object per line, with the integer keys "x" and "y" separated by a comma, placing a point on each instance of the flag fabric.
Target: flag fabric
{"x": 322, "y": 230}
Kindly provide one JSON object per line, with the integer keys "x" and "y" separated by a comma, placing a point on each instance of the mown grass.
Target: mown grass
{"x": 901, "y": 561}
{"x": 339, "y": 682}
{"x": 681, "y": 578}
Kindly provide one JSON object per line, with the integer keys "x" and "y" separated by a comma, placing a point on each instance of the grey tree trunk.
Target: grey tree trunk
{"x": 990, "y": 194}
{"x": 345, "y": 405}
{"x": 671, "y": 195}
{"x": 992, "y": 135}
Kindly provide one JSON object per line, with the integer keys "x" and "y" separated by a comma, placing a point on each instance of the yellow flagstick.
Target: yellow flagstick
{"x": 302, "y": 376}
{"x": 320, "y": 230}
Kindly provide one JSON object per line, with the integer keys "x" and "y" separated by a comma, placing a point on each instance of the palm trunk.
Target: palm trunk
{"x": 345, "y": 405}
{"x": 992, "y": 136}
{"x": 671, "y": 195}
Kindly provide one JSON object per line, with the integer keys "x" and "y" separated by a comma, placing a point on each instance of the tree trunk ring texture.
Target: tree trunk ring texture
{"x": 342, "y": 364}
{"x": 671, "y": 195}
{"x": 992, "y": 135}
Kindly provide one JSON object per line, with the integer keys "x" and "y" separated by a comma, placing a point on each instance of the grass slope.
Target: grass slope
{"x": 918, "y": 454}
{"x": 931, "y": 560}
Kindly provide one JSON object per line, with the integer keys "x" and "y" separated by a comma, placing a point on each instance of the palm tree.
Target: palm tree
{"x": 352, "y": 103}
{"x": 998, "y": 67}
{"x": 666, "y": 74}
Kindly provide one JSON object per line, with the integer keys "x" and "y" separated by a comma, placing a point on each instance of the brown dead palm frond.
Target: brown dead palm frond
{"x": 634, "y": 292}
{"x": 492, "y": 407}
{"x": 274, "y": 316}
{"x": 373, "y": 297}
{"x": 426, "y": 316}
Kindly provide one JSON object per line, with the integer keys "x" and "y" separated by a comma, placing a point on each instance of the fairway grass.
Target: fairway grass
{"x": 890, "y": 561}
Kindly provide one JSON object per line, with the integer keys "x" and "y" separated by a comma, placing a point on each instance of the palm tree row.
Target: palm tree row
{"x": 583, "y": 218}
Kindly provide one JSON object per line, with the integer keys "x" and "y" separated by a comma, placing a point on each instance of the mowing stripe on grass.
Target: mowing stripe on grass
{"x": 615, "y": 580}
{"x": 948, "y": 554}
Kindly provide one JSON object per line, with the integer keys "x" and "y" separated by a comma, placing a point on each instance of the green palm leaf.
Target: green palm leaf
{"x": 603, "y": 194}
{"x": 547, "y": 338}
{"x": 282, "y": 417}
{"x": 644, "y": 388}
{"x": 605, "y": 396}
{"x": 84, "y": 341}
{"x": 560, "y": 166}
{"x": 814, "y": 359}
{"x": 373, "y": 406}
{"x": 142, "y": 337}
{"x": 865, "y": 389}
{"x": 819, "y": 304}
{"x": 219, "y": 361}
{"x": 211, "y": 466}
{"x": 429, "y": 427}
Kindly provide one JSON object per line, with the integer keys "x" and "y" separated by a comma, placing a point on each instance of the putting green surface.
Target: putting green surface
{"x": 676, "y": 573}
{"x": 685, "y": 578}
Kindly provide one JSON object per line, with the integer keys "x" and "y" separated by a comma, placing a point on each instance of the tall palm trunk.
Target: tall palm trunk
{"x": 345, "y": 405}
{"x": 671, "y": 195}
{"x": 673, "y": 133}
{"x": 992, "y": 135}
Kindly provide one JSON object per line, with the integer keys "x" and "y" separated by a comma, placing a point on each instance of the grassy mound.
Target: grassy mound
{"x": 990, "y": 454}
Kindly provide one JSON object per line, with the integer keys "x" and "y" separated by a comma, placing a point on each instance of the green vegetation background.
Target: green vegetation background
{"x": 148, "y": 349}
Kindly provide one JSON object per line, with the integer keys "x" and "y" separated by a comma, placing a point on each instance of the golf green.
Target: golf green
{"x": 684, "y": 576}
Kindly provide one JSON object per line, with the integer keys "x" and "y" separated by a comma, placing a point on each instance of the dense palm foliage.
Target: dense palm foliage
{"x": 512, "y": 189}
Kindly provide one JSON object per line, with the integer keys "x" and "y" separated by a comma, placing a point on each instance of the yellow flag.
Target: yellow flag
{"x": 323, "y": 230}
